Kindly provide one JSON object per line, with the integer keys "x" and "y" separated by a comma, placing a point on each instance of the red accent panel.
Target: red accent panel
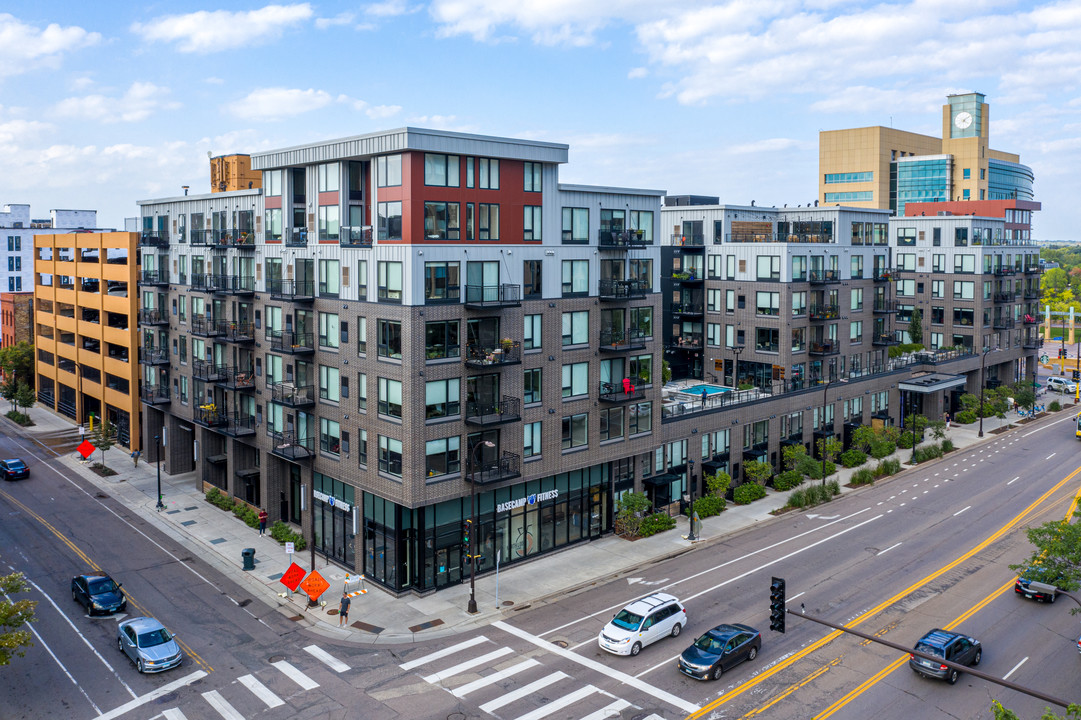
{"x": 328, "y": 198}
{"x": 272, "y": 203}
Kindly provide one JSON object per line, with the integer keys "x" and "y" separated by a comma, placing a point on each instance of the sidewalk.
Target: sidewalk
{"x": 218, "y": 538}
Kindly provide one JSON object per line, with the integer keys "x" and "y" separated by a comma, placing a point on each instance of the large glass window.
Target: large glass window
{"x": 329, "y": 436}
{"x": 532, "y": 336}
{"x": 443, "y": 457}
{"x": 390, "y": 281}
{"x": 328, "y": 177}
{"x": 769, "y": 267}
{"x": 390, "y": 456}
{"x": 329, "y": 222}
{"x": 575, "y": 431}
{"x": 575, "y": 278}
{"x": 273, "y": 232}
{"x": 441, "y": 282}
{"x": 487, "y": 221}
{"x": 611, "y": 423}
{"x": 329, "y": 383}
{"x": 442, "y": 398}
{"x": 441, "y": 170}
{"x": 488, "y": 174}
{"x": 533, "y": 175}
{"x": 576, "y": 328}
{"x": 531, "y": 230}
{"x": 330, "y": 277}
{"x": 642, "y": 221}
{"x": 641, "y": 319}
{"x": 390, "y": 397}
{"x": 532, "y": 439}
{"x": 441, "y": 221}
{"x": 389, "y": 171}
{"x": 576, "y": 379}
{"x": 390, "y": 220}
{"x": 328, "y": 330}
{"x": 531, "y": 279}
{"x": 441, "y": 339}
{"x": 390, "y": 339}
{"x": 575, "y": 226}
{"x": 532, "y": 386}
{"x": 640, "y": 418}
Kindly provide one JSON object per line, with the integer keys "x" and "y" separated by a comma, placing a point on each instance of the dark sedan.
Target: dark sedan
{"x": 98, "y": 593}
{"x": 1038, "y": 583}
{"x": 14, "y": 469}
{"x": 720, "y": 649}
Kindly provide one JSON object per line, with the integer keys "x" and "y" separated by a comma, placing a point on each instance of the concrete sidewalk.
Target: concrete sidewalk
{"x": 218, "y": 537}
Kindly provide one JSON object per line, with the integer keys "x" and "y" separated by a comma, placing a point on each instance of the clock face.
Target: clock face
{"x": 963, "y": 120}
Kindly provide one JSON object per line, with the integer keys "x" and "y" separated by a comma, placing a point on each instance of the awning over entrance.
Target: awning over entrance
{"x": 657, "y": 480}
{"x": 931, "y": 383}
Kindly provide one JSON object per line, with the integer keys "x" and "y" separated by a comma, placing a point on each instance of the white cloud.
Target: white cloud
{"x": 277, "y": 103}
{"x": 17, "y": 132}
{"x": 340, "y": 19}
{"x": 638, "y": 72}
{"x": 218, "y": 30}
{"x": 440, "y": 122}
{"x": 389, "y": 8}
{"x": 381, "y": 112}
{"x": 24, "y": 47}
{"x": 214, "y": 81}
{"x": 139, "y": 102}
{"x": 771, "y": 145}
{"x": 547, "y": 22}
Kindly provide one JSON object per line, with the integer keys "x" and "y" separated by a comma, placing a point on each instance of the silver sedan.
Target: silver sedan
{"x": 148, "y": 644}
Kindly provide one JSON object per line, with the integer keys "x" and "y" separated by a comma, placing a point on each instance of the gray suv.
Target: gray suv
{"x": 947, "y": 645}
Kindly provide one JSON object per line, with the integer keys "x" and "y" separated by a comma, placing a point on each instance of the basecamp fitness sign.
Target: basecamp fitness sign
{"x": 529, "y": 500}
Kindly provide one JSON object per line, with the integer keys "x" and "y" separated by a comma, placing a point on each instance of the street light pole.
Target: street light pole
{"x": 822, "y": 450}
{"x": 983, "y": 364}
{"x": 472, "y": 607}
{"x": 735, "y": 368}
{"x": 690, "y": 478}
{"x": 157, "y": 442}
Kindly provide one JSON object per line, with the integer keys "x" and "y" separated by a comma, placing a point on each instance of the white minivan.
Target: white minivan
{"x": 643, "y": 622}
{"x": 1061, "y": 385}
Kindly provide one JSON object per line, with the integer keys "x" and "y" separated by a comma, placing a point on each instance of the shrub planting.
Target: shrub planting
{"x": 747, "y": 493}
{"x": 655, "y": 523}
{"x": 787, "y": 480}
{"x": 863, "y": 476}
{"x": 283, "y": 534}
{"x": 965, "y": 417}
{"x": 853, "y": 458}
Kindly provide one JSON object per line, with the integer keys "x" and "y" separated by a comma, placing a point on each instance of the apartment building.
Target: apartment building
{"x": 397, "y": 326}
{"x": 16, "y": 318}
{"x": 17, "y": 231}
{"x": 85, "y": 305}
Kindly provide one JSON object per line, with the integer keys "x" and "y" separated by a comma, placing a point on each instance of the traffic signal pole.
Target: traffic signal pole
{"x": 776, "y": 604}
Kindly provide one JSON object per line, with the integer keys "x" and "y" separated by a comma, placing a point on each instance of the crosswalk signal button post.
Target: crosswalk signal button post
{"x": 776, "y": 605}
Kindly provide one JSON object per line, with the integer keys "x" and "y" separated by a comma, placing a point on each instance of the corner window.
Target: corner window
{"x": 390, "y": 281}
{"x": 442, "y": 398}
{"x": 390, "y": 339}
{"x": 390, "y": 456}
{"x": 533, "y": 175}
{"x": 441, "y": 170}
{"x": 442, "y": 457}
{"x": 390, "y": 397}
{"x": 390, "y": 220}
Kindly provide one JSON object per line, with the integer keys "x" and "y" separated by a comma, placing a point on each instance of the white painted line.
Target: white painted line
{"x": 443, "y": 653}
{"x": 332, "y": 662}
{"x": 543, "y": 712}
{"x": 883, "y": 552}
{"x": 493, "y": 678}
{"x": 173, "y": 714}
{"x": 794, "y": 597}
{"x": 151, "y": 696}
{"x": 260, "y": 691}
{"x": 467, "y": 665}
{"x": 1011, "y": 672}
{"x": 295, "y": 675}
{"x": 877, "y": 504}
{"x": 961, "y": 510}
{"x": 57, "y": 661}
{"x": 223, "y": 707}
{"x": 889, "y": 511}
{"x": 926, "y": 491}
{"x": 622, "y": 677}
{"x": 902, "y": 504}
{"x": 1011, "y": 482}
{"x": 1050, "y": 456}
{"x": 608, "y": 712}
{"x": 524, "y": 691}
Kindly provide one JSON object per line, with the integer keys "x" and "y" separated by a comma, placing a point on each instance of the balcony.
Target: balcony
{"x": 507, "y": 467}
{"x": 1003, "y": 271}
{"x": 210, "y": 416}
{"x": 240, "y": 425}
{"x": 823, "y": 312}
{"x": 209, "y": 283}
{"x": 884, "y": 306}
{"x": 823, "y": 277}
{"x": 241, "y": 285}
{"x": 154, "y": 238}
{"x": 1003, "y": 297}
{"x": 149, "y": 355}
{"x": 687, "y": 308}
{"x": 483, "y": 297}
{"x": 824, "y": 348}
{"x": 234, "y": 378}
{"x": 293, "y": 396}
{"x": 1030, "y": 320}
{"x": 621, "y": 290}
{"x": 243, "y": 239}
{"x": 690, "y": 277}
{"x": 154, "y": 277}
{"x": 1004, "y": 323}
{"x": 153, "y": 317}
{"x": 291, "y": 290}
{"x": 623, "y": 392}
{"x": 1032, "y": 294}
{"x": 884, "y": 339}
{"x": 355, "y": 237}
{"x": 1034, "y": 270}
{"x": 200, "y": 238}
{"x": 155, "y": 394}
{"x": 202, "y": 326}
{"x": 883, "y": 274}
{"x": 693, "y": 240}
{"x": 237, "y": 332}
{"x": 501, "y": 412}
{"x": 493, "y": 356}
{"x": 1031, "y": 343}
{"x": 291, "y": 342}
{"x": 686, "y": 341}
{"x": 624, "y": 340}
{"x": 620, "y": 240}
{"x": 297, "y": 237}
{"x": 207, "y": 371}
{"x": 291, "y": 447}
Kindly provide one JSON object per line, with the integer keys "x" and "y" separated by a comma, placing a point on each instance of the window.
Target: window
{"x": 964, "y": 263}
{"x": 442, "y": 398}
{"x": 769, "y": 267}
{"x": 272, "y": 183}
{"x": 642, "y": 221}
{"x": 713, "y": 264}
{"x": 938, "y": 263}
{"x": 640, "y": 271}
{"x": 329, "y": 436}
{"x": 329, "y": 222}
{"x": 362, "y": 335}
{"x": 531, "y": 279}
{"x": 532, "y": 439}
{"x": 532, "y": 337}
{"x": 855, "y": 331}
{"x": 849, "y": 177}
{"x": 611, "y": 424}
{"x": 713, "y": 300}
{"x": 533, "y": 175}
{"x": 390, "y": 281}
{"x": 328, "y": 177}
{"x": 799, "y": 339}
{"x": 441, "y": 282}
{"x": 856, "y": 299}
{"x": 963, "y": 290}
{"x": 389, "y": 170}
{"x": 390, "y": 339}
{"x": 487, "y": 221}
{"x": 641, "y": 319}
{"x": 329, "y": 278}
{"x": 641, "y": 367}
{"x": 488, "y": 174}
{"x": 390, "y": 456}
{"x": 362, "y": 391}
{"x": 767, "y": 339}
{"x": 938, "y": 315}
{"x": 575, "y": 431}
{"x": 329, "y": 383}
{"x": 183, "y": 349}
{"x": 575, "y": 278}
{"x": 799, "y": 303}
{"x": 532, "y": 386}
{"x": 857, "y": 267}
{"x": 362, "y": 449}
{"x": 441, "y": 340}
{"x": 575, "y": 226}
{"x": 442, "y": 457}
{"x": 960, "y": 237}
{"x": 713, "y": 334}
{"x": 906, "y": 261}
{"x": 767, "y": 303}
{"x": 441, "y": 221}
{"x": 906, "y": 288}
{"x": 390, "y": 220}
{"x": 328, "y": 330}
{"x": 576, "y": 328}
{"x": 906, "y": 237}
{"x": 441, "y": 170}
{"x": 390, "y": 397}
{"x": 531, "y": 230}
{"x": 576, "y": 380}
{"x": 640, "y": 418}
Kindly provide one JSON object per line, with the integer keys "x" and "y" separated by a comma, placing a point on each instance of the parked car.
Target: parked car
{"x": 1079, "y": 644}
{"x": 720, "y": 649}
{"x": 947, "y": 645}
{"x": 643, "y": 622}
{"x": 14, "y": 469}
{"x": 1061, "y": 385}
{"x": 148, "y": 644}
{"x": 1037, "y": 583}
{"x": 98, "y": 593}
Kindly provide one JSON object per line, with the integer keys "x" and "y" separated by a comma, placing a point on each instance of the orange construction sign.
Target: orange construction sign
{"x": 314, "y": 585}
{"x": 291, "y": 578}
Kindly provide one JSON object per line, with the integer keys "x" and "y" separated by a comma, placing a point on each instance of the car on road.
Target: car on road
{"x": 1039, "y": 584}
{"x": 945, "y": 645}
{"x": 643, "y": 622}
{"x": 720, "y": 649}
{"x": 98, "y": 593}
{"x": 14, "y": 469}
{"x": 1061, "y": 385}
{"x": 148, "y": 644}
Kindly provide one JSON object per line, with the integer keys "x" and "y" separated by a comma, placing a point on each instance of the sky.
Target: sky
{"x": 106, "y": 103}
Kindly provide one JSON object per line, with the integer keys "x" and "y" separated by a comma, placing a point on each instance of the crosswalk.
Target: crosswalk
{"x": 516, "y": 687}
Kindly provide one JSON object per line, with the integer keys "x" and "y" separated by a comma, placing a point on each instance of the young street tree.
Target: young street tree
{"x": 13, "y": 616}
{"x": 915, "y": 327}
{"x": 25, "y": 396}
{"x": 103, "y": 438}
{"x": 18, "y": 361}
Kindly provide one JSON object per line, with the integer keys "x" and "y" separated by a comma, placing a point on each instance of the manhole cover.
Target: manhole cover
{"x": 508, "y": 603}
{"x": 275, "y": 658}
{"x": 560, "y": 643}
{"x": 332, "y": 612}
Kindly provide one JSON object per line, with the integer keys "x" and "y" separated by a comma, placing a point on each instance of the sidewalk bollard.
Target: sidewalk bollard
{"x": 248, "y": 554}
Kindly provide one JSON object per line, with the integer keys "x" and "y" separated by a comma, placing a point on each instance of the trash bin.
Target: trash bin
{"x": 249, "y": 558}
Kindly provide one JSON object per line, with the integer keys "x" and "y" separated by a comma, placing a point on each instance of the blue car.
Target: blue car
{"x": 14, "y": 469}
{"x": 720, "y": 649}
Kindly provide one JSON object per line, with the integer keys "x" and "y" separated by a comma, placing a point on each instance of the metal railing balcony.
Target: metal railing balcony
{"x": 203, "y": 326}
{"x": 823, "y": 312}
{"x": 688, "y": 276}
{"x": 241, "y": 285}
{"x": 150, "y": 355}
{"x": 883, "y": 274}
{"x": 1030, "y": 343}
{"x": 200, "y": 238}
{"x": 1002, "y": 323}
{"x": 244, "y": 239}
{"x": 153, "y": 317}
{"x": 619, "y": 290}
{"x": 210, "y": 416}
{"x": 1003, "y": 271}
{"x": 292, "y": 290}
{"x": 692, "y": 240}
{"x": 154, "y": 238}
{"x": 1003, "y": 297}
{"x": 507, "y": 467}
{"x": 293, "y": 395}
{"x": 297, "y": 237}
{"x": 493, "y": 296}
{"x": 291, "y": 447}
{"x": 1032, "y": 294}
{"x": 502, "y": 354}
{"x": 155, "y": 394}
{"x": 239, "y": 425}
{"x": 237, "y": 332}
{"x": 355, "y": 236}
{"x": 686, "y": 341}
{"x": 507, "y": 410}
{"x": 823, "y": 277}
{"x": 291, "y": 342}
{"x": 824, "y": 348}
{"x": 209, "y": 283}
{"x": 626, "y": 391}
{"x": 1030, "y": 320}
{"x": 237, "y": 378}
{"x": 884, "y": 339}
{"x": 621, "y": 239}
{"x": 207, "y": 371}
{"x": 884, "y": 306}
{"x": 622, "y": 340}
{"x": 154, "y": 277}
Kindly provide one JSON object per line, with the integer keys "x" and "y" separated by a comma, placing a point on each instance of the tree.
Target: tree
{"x": 18, "y": 360}
{"x": 792, "y": 455}
{"x": 630, "y": 509}
{"x": 9, "y": 389}
{"x": 103, "y": 438}
{"x": 758, "y": 471}
{"x": 13, "y": 615}
{"x": 25, "y": 396}
{"x": 915, "y": 327}
{"x": 1057, "y": 553}
{"x": 1073, "y": 712}
{"x": 1025, "y": 397}
{"x": 862, "y": 437}
{"x": 830, "y": 448}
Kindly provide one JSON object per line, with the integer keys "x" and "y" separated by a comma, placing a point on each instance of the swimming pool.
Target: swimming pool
{"x": 710, "y": 390}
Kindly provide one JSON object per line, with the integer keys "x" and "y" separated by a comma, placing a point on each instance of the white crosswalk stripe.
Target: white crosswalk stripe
{"x": 493, "y": 678}
{"x": 261, "y": 691}
{"x": 467, "y": 665}
{"x": 443, "y": 653}
{"x": 559, "y": 703}
{"x": 295, "y": 675}
{"x": 173, "y": 714}
{"x": 609, "y": 711}
{"x": 332, "y": 662}
{"x": 523, "y": 691}
{"x": 219, "y": 703}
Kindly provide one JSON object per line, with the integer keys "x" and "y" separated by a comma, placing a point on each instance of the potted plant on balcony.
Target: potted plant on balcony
{"x": 506, "y": 344}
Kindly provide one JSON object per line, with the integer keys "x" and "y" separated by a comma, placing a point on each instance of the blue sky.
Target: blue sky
{"x": 106, "y": 103}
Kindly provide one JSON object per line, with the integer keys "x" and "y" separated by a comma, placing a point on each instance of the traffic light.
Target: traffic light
{"x": 1062, "y": 353}
{"x": 465, "y": 533}
{"x": 776, "y": 605}
{"x": 1077, "y": 374}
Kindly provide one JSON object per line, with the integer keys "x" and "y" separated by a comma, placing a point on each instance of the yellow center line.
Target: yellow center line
{"x": 86, "y": 558}
{"x": 735, "y": 692}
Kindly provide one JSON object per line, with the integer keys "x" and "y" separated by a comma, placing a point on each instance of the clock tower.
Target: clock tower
{"x": 965, "y": 116}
